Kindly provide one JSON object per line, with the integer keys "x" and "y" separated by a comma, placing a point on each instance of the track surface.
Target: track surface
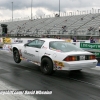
{"x": 84, "y": 85}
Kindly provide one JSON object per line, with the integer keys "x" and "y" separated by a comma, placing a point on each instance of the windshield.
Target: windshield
{"x": 63, "y": 46}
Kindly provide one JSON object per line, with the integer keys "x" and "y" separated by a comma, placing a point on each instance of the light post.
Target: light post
{"x": 82, "y": 12}
{"x": 98, "y": 10}
{"x": 54, "y": 14}
{"x": 31, "y": 8}
{"x": 70, "y": 13}
{"x": 92, "y": 10}
{"x": 12, "y": 11}
{"x": 78, "y": 12}
{"x": 95, "y": 10}
{"x": 73, "y": 13}
{"x": 44, "y": 16}
{"x": 59, "y": 8}
{"x": 87, "y": 11}
{"x": 65, "y": 13}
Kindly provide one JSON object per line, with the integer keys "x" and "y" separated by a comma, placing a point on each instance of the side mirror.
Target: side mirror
{"x": 25, "y": 45}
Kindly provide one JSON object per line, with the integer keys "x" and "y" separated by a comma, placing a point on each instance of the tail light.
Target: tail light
{"x": 91, "y": 57}
{"x": 71, "y": 58}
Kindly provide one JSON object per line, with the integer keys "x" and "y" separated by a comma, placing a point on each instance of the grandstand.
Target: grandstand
{"x": 82, "y": 26}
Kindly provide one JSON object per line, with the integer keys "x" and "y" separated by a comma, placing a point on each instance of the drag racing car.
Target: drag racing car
{"x": 53, "y": 54}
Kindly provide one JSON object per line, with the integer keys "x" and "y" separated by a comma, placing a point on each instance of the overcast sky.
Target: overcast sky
{"x": 22, "y": 8}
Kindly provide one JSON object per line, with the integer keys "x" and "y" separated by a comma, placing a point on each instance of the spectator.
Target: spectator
{"x": 64, "y": 28}
{"x": 74, "y": 39}
{"x": 91, "y": 28}
{"x": 92, "y": 40}
{"x": 81, "y": 18}
{"x": 56, "y": 15}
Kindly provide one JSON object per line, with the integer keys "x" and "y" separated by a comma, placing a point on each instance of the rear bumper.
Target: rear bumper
{"x": 80, "y": 65}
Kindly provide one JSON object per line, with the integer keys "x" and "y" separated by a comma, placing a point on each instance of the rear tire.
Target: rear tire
{"x": 16, "y": 56}
{"x": 46, "y": 66}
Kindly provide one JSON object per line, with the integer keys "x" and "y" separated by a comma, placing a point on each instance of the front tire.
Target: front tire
{"x": 46, "y": 66}
{"x": 16, "y": 56}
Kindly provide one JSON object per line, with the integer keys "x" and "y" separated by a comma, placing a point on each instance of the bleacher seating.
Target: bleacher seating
{"x": 79, "y": 25}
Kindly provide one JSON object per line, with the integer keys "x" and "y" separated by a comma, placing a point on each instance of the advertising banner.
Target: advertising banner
{"x": 6, "y": 40}
{"x": 91, "y": 47}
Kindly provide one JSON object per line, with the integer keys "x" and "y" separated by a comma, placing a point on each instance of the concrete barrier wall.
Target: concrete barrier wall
{"x": 25, "y": 40}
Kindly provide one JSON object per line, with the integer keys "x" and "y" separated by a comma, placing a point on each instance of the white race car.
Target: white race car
{"x": 53, "y": 54}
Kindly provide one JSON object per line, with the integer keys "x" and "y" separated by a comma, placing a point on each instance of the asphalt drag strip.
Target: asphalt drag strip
{"x": 65, "y": 85}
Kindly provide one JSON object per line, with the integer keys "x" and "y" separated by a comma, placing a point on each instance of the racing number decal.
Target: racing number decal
{"x": 59, "y": 64}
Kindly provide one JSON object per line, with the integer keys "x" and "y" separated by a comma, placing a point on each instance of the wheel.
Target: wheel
{"x": 16, "y": 56}
{"x": 46, "y": 66}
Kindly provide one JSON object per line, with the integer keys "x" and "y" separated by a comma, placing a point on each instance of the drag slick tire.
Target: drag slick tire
{"x": 46, "y": 66}
{"x": 16, "y": 56}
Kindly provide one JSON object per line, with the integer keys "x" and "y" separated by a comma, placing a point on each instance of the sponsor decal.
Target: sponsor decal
{"x": 47, "y": 54}
{"x": 59, "y": 68}
{"x": 90, "y": 45}
{"x": 58, "y": 50}
{"x": 34, "y": 62}
{"x": 58, "y": 64}
{"x": 20, "y": 53}
{"x": 6, "y": 47}
{"x": 25, "y": 52}
{"x": 44, "y": 47}
{"x": 55, "y": 50}
{"x": 22, "y": 58}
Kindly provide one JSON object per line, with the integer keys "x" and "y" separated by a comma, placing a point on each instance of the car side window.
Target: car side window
{"x": 63, "y": 46}
{"x": 36, "y": 43}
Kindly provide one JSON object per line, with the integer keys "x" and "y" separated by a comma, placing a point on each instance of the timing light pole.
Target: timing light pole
{"x": 31, "y": 8}
{"x": 12, "y": 11}
{"x": 59, "y": 8}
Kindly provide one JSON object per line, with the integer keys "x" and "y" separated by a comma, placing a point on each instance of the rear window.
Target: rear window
{"x": 63, "y": 46}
